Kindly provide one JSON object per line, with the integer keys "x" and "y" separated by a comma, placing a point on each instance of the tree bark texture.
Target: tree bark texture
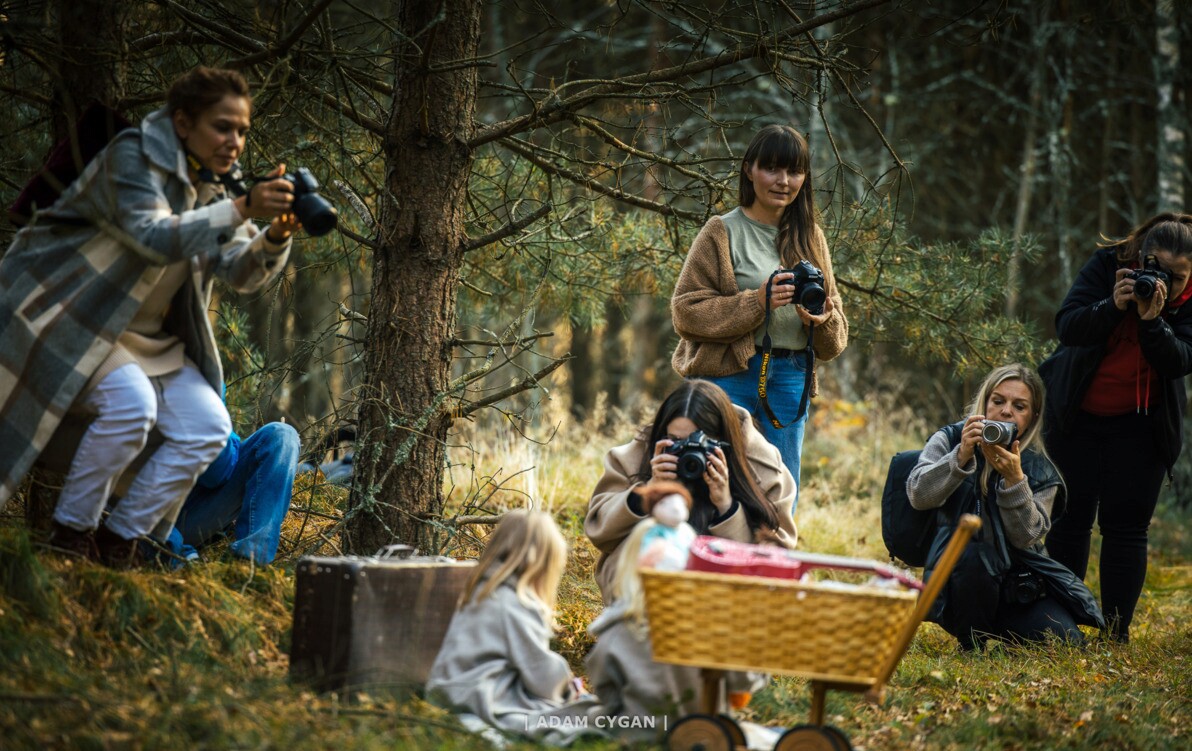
{"x": 91, "y": 59}
{"x": 1169, "y": 154}
{"x": 404, "y": 407}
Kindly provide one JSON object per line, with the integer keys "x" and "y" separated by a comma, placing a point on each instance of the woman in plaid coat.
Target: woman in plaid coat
{"x": 104, "y": 313}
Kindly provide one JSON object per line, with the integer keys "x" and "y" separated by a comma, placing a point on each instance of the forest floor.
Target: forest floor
{"x": 97, "y": 659}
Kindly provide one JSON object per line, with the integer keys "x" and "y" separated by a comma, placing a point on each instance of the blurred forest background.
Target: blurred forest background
{"x": 518, "y": 182}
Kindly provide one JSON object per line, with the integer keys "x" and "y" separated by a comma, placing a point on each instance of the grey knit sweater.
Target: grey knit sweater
{"x": 1026, "y": 516}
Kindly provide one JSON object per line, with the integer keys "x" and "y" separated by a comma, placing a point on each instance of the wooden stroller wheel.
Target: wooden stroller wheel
{"x": 734, "y": 730}
{"x": 699, "y": 732}
{"x": 842, "y": 741}
{"x": 810, "y": 738}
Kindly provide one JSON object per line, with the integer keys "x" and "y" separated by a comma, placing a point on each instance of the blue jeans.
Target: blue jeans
{"x": 783, "y": 391}
{"x": 252, "y": 503}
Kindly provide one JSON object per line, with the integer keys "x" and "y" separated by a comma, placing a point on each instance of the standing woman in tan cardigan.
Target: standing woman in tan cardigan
{"x": 720, "y": 302}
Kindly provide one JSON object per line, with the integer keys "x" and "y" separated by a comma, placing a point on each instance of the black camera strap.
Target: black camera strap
{"x": 233, "y": 180}
{"x": 764, "y": 375}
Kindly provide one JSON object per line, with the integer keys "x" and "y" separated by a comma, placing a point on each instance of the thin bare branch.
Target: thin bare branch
{"x": 556, "y": 107}
{"x": 509, "y": 229}
{"x": 524, "y": 149}
{"x": 527, "y": 383}
{"x": 283, "y": 46}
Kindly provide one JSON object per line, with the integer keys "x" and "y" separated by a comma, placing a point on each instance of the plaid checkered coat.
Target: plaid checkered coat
{"x": 72, "y": 280}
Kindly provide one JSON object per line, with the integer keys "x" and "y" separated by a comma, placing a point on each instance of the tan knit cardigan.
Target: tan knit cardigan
{"x": 716, "y": 321}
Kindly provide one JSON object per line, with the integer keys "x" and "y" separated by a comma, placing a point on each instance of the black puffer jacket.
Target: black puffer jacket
{"x": 1084, "y": 324}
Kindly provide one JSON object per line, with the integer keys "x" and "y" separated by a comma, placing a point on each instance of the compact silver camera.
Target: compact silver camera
{"x": 998, "y": 432}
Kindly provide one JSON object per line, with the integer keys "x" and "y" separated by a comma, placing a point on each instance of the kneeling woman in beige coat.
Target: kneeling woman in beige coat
{"x": 746, "y": 494}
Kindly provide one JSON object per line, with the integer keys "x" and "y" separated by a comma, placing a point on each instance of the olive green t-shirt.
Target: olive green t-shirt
{"x": 752, "y": 247}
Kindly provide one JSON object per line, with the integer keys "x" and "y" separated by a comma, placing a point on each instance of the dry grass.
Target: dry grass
{"x": 109, "y": 660}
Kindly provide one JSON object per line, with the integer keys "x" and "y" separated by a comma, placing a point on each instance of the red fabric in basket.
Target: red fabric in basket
{"x": 720, "y": 556}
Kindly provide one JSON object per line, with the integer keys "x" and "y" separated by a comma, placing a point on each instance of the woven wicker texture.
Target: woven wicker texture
{"x": 773, "y": 625}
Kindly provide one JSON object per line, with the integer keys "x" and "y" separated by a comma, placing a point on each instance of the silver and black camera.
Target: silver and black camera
{"x": 693, "y": 454}
{"x": 998, "y": 432}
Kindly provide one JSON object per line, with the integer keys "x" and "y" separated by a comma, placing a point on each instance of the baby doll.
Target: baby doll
{"x": 665, "y": 544}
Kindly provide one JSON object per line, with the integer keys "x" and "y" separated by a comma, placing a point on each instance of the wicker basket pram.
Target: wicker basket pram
{"x": 840, "y": 637}
{"x": 735, "y": 623}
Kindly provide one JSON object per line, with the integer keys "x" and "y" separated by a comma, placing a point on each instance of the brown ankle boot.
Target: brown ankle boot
{"x": 64, "y": 539}
{"x": 115, "y": 551}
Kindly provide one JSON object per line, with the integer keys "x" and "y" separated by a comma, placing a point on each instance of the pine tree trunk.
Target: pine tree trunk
{"x": 583, "y": 371}
{"x": 404, "y": 405}
{"x": 1026, "y": 169}
{"x": 91, "y": 66}
{"x": 1169, "y": 155}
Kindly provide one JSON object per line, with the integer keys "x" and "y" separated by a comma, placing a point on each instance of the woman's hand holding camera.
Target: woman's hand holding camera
{"x": 664, "y": 466}
{"x": 970, "y": 437}
{"x": 717, "y": 479}
{"x": 782, "y": 291}
{"x": 1123, "y": 295}
{"x": 271, "y": 198}
{"x": 818, "y": 320}
{"x": 1006, "y": 462}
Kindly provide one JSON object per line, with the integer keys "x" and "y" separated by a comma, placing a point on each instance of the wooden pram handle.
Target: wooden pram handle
{"x": 939, "y": 576}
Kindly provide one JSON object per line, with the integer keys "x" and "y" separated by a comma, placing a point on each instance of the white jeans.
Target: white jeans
{"x": 127, "y": 403}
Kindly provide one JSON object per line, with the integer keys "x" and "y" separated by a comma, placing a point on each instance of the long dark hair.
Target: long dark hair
{"x": 1169, "y": 231}
{"x": 783, "y": 146}
{"x": 706, "y": 405}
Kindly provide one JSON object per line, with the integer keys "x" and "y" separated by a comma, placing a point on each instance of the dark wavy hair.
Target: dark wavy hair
{"x": 783, "y": 146}
{"x": 706, "y": 405}
{"x": 1169, "y": 231}
{"x": 195, "y": 91}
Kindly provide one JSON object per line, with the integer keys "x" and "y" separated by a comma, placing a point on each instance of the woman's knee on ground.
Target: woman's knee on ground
{"x": 280, "y": 439}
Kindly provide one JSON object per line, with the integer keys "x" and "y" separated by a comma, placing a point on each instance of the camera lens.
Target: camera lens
{"x": 317, "y": 216}
{"x": 812, "y": 297}
{"x": 1144, "y": 287}
{"x": 996, "y": 431}
{"x": 692, "y": 465}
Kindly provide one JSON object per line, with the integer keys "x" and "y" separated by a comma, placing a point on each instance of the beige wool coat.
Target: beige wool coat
{"x": 610, "y": 519}
{"x": 716, "y": 320}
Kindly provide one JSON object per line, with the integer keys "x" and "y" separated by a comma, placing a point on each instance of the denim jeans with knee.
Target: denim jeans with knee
{"x": 246, "y": 491}
{"x": 783, "y": 391}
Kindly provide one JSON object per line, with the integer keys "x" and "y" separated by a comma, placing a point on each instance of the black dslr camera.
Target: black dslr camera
{"x": 1148, "y": 277}
{"x": 809, "y": 286}
{"x": 318, "y": 217}
{"x": 693, "y": 454}
{"x": 1022, "y": 587}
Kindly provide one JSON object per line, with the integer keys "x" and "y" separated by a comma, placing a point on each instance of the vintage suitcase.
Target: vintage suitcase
{"x": 373, "y": 623}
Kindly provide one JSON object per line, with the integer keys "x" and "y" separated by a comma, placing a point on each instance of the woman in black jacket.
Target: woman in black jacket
{"x": 1116, "y": 399}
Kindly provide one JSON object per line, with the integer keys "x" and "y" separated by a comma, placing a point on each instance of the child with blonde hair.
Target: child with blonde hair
{"x": 496, "y": 663}
{"x": 621, "y": 665}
